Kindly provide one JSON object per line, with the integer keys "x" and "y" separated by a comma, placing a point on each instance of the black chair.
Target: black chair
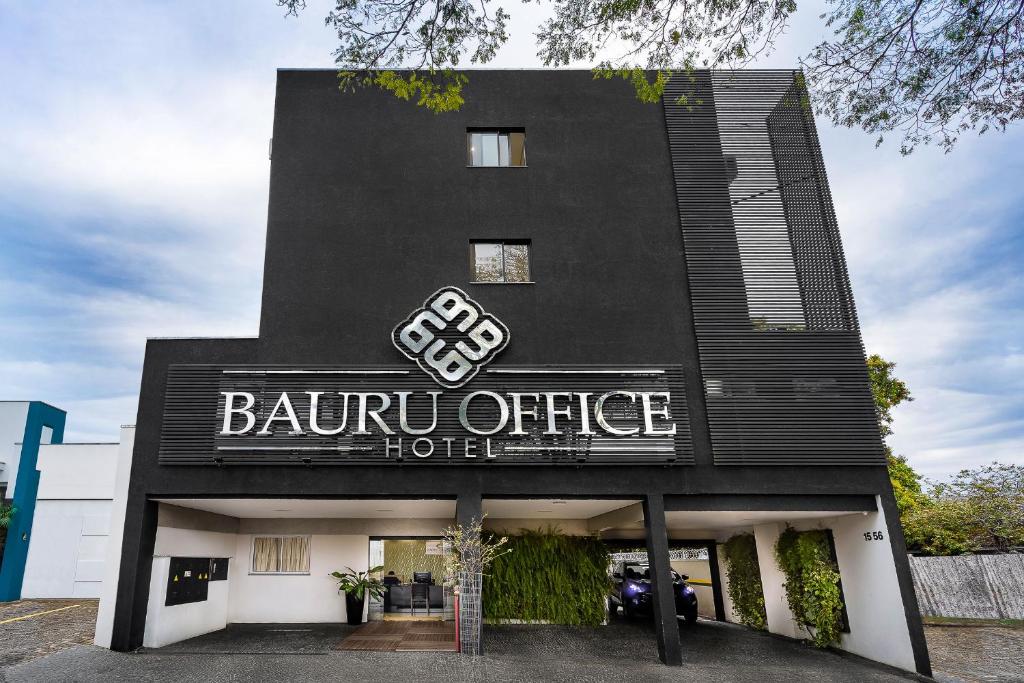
{"x": 422, "y": 577}
{"x": 420, "y": 594}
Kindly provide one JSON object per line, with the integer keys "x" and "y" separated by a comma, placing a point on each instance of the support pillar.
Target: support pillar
{"x": 468, "y": 506}
{"x": 129, "y": 627}
{"x": 716, "y": 581}
{"x": 915, "y": 626}
{"x": 776, "y": 605}
{"x": 666, "y": 625}
{"x": 469, "y": 509}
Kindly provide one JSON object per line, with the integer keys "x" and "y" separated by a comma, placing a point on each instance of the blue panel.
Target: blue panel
{"x": 12, "y": 571}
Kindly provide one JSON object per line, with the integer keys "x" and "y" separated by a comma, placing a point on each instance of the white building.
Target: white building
{"x": 72, "y": 522}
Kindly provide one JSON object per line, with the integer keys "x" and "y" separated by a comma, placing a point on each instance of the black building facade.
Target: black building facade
{"x": 646, "y": 303}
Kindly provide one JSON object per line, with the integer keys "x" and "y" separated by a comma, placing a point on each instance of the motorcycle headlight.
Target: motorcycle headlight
{"x": 631, "y": 587}
{"x": 687, "y": 590}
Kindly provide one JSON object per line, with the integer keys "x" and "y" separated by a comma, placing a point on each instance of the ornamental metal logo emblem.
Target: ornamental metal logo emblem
{"x": 450, "y": 337}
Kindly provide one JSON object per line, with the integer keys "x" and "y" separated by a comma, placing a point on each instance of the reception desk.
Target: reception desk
{"x": 399, "y": 598}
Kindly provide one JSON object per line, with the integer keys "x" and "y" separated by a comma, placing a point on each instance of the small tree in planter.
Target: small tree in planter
{"x": 6, "y": 515}
{"x": 468, "y": 553}
{"x": 356, "y": 586}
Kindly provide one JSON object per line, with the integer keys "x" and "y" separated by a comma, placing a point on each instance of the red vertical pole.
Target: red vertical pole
{"x": 458, "y": 642}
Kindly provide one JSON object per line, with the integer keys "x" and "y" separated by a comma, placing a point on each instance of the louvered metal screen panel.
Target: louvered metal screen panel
{"x": 780, "y": 350}
{"x": 194, "y": 416}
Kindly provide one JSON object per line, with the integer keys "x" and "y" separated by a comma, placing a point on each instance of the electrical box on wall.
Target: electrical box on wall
{"x": 188, "y": 580}
{"x": 219, "y": 569}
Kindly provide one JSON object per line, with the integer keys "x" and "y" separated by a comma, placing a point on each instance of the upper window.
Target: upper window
{"x": 500, "y": 261}
{"x": 496, "y": 147}
{"x": 280, "y": 555}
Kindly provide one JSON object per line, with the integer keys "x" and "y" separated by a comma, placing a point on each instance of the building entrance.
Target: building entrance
{"x": 413, "y": 573}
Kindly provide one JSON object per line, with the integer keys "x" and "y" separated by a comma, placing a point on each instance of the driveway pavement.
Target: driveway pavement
{"x": 621, "y": 652}
{"x": 35, "y": 628}
{"x": 976, "y": 653}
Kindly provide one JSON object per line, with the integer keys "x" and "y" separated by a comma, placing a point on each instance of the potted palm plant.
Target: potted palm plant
{"x": 6, "y": 517}
{"x": 356, "y": 586}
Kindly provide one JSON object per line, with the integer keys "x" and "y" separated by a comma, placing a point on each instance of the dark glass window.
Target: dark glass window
{"x": 496, "y": 147}
{"x": 500, "y": 261}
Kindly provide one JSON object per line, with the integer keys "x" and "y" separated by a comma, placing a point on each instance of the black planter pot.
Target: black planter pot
{"x": 354, "y": 608}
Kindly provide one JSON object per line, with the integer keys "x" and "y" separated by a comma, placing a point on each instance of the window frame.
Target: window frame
{"x": 252, "y": 554}
{"x": 514, "y": 242}
{"x": 499, "y": 131}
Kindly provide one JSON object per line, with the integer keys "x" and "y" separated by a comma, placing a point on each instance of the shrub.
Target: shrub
{"x": 744, "y": 572}
{"x": 548, "y": 576}
{"x": 812, "y": 583}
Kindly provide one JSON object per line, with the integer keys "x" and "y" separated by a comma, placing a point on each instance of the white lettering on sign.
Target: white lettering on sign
{"x": 230, "y": 411}
{"x": 561, "y": 412}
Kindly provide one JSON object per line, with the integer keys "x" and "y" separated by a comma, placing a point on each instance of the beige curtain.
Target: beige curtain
{"x": 280, "y": 554}
{"x": 295, "y": 554}
{"x": 266, "y": 552}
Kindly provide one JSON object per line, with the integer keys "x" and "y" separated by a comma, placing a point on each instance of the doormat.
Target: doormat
{"x": 402, "y": 636}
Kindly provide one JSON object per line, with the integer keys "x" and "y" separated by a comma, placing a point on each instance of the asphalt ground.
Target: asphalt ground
{"x": 36, "y": 628}
{"x": 47, "y": 640}
{"x": 620, "y": 652}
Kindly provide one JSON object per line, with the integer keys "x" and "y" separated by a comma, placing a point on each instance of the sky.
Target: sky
{"x": 133, "y": 199}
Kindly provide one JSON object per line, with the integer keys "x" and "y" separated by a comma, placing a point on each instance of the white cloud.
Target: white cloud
{"x": 937, "y": 291}
{"x": 138, "y": 137}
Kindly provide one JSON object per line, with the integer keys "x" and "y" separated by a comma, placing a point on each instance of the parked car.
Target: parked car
{"x": 633, "y": 592}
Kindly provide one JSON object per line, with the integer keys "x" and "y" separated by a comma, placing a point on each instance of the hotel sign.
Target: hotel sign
{"x": 430, "y": 336}
{"x": 451, "y": 410}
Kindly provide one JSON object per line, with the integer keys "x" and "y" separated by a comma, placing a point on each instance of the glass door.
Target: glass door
{"x": 376, "y": 606}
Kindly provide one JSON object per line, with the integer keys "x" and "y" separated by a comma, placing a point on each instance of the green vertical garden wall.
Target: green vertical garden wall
{"x": 549, "y": 577}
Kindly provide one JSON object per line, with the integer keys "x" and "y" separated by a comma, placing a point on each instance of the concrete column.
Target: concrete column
{"x": 134, "y": 574}
{"x": 887, "y": 506}
{"x": 776, "y": 607}
{"x": 723, "y": 575}
{"x": 666, "y": 625}
{"x": 112, "y": 565}
{"x": 879, "y": 627}
{"x": 468, "y": 506}
{"x": 716, "y": 581}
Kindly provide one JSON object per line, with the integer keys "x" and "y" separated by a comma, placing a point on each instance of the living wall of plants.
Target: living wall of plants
{"x": 744, "y": 573}
{"x": 812, "y": 583}
{"x": 549, "y": 576}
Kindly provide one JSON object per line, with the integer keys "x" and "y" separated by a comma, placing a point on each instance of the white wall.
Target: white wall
{"x": 112, "y": 562}
{"x": 874, "y": 605}
{"x": 171, "y": 542}
{"x": 244, "y": 598}
{"x": 169, "y": 624}
{"x": 77, "y": 471}
{"x": 12, "y": 431}
{"x": 878, "y": 624}
{"x": 166, "y": 625}
{"x": 699, "y": 570}
{"x": 723, "y": 575}
{"x": 295, "y": 599}
{"x": 776, "y": 607}
{"x": 67, "y": 550}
